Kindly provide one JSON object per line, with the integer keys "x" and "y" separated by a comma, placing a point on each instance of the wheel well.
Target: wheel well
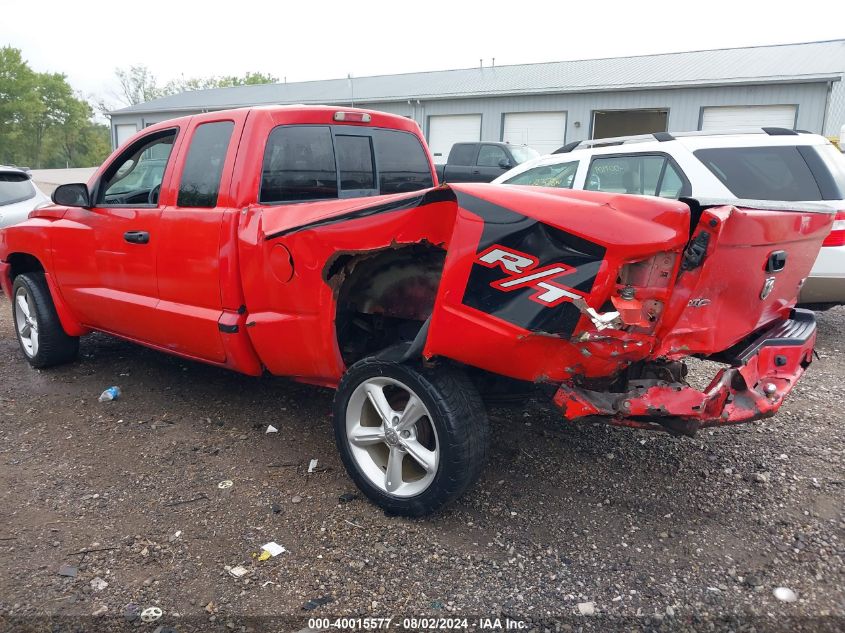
{"x": 383, "y": 297}
{"x": 23, "y": 263}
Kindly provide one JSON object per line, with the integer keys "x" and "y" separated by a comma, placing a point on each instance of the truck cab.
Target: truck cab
{"x": 482, "y": 162}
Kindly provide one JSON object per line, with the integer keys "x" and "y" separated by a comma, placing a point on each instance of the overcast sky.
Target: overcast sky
{"x": 328, "y": 39}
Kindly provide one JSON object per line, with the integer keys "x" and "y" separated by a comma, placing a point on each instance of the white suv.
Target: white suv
{"x": 768, "y": 164}
{"x": 18, "y": 196}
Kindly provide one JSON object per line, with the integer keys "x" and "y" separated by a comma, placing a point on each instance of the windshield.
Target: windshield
{"x": 14, "y": 188}
{"x": 522, "y": 153}
{"x": 560, "y": 175}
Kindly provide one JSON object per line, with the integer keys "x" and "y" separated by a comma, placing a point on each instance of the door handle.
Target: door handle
{"x": 136, "y": 237}
{"x": 476, "y": 171}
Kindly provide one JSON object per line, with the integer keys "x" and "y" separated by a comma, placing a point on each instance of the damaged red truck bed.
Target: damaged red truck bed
{"x": 313, "y": 242}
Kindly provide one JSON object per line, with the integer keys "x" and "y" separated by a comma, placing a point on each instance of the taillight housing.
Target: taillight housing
{"x": 836, "y": 237}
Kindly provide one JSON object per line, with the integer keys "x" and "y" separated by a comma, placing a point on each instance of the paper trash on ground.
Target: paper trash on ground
{"x": 273, "y": 548}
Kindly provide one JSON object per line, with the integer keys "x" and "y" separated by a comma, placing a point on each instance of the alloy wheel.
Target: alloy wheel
{"x": 392, "y": 437}
{"x": 26, "y": 322}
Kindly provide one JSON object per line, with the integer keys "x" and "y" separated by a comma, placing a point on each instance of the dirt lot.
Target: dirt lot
{"x": 658, "y": 532}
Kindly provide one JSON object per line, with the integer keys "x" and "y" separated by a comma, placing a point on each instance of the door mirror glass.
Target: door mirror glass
{"x": 505, "y": 164}
{"x": 72, "y": 195}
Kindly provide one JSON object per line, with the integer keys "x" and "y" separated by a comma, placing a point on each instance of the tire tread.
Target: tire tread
{"x": 55, "y": 347}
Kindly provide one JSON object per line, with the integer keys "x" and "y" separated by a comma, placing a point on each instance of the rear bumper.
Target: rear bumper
{"x": 763, "y": 370}
{"x": 826, "y": 283}
{"x": 823, "y": 290}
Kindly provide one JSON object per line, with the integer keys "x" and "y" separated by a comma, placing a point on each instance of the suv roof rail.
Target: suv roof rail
{"x": 779, "y": 131}
{"x": 663, "y": 137}
{"x": 567, "y": 148}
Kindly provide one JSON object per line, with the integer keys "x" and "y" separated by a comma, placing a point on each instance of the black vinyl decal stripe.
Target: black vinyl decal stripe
{"x": 549, "y": 245}
{"x": 439, "y": 194}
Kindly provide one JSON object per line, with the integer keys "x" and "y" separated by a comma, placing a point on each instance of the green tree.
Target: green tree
{"x": 42, "y": 121}
{"x": 18, "y": 103}
{"x": 224, "y": 81}
{"x": 138, "y": 84}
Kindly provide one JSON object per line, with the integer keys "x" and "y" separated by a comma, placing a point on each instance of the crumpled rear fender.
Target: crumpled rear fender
{"x": 530, "y": 273}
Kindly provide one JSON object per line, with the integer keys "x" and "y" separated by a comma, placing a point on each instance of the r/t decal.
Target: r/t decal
{"x": 523, "y": 273}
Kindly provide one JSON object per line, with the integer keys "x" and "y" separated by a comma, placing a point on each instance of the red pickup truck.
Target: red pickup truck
{"x": 313, "y": 242}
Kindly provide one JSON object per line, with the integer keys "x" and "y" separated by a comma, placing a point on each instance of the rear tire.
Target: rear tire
{"x": 40, "y": 335}
{"x": 412, "y": 439}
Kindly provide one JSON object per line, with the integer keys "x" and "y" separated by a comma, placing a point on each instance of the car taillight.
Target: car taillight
{"x": 352, "y": 117}
{"x": 837, "y": 231}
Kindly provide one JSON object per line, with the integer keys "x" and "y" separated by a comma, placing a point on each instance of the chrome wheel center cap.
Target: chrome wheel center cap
{"x": 391, "y": 437}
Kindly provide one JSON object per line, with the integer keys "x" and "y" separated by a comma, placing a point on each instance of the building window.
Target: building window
{"x": 611, "y": 123}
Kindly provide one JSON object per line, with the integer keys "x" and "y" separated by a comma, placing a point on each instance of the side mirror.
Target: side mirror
{"x": 72, "y": 195}
{"x": 505, "y": 164}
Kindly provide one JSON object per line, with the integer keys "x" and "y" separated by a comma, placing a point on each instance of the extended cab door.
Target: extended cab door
{"x": 196, "y": 247}
{"x": 461, "y": 163}
{"x": 105, "y": 257}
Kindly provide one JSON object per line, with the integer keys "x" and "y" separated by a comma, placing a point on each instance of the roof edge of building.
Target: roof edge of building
{"x": 808, "y": 78}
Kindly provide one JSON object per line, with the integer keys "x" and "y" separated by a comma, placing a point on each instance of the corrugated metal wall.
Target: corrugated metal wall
{"x": 836, "y": 111}
{"x": 684, "y": 107}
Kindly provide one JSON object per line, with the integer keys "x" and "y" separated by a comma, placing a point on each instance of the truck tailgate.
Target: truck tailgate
{"x": 742, "y": 270}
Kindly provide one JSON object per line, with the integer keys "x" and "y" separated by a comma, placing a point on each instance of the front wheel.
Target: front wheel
{"x": 39, "y": 332}
{"x": 411, "y": 439}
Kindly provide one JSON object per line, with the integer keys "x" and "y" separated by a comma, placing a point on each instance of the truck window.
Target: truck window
{"x": 560, "y": 176}
{"x": 462, "y": 154}
{"x": 200, "y": 183}
{"x": 762, "y": 173}
{"x": 298, "y": 165}
{"x": 638, "y": 174}
{"x": 355, "y": 162}
{"x": 135, "y": 177}
{"x": 402, "y": 163}
{"x": 490, "y": 155}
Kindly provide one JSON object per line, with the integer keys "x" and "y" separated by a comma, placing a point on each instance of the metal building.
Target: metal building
{"x": 546, "y": 105}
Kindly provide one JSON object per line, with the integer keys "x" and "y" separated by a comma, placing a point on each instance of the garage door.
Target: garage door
{"x": 445, "y": 131}
{"x": 123, "y": 132}
{"x": 740, "y": 117}
{"x": 543, "y": 131}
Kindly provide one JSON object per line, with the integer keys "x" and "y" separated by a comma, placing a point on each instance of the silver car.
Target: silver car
{"x": 18, "y": 196}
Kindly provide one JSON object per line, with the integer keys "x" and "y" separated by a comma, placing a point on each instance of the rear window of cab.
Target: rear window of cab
{"x": 321, "y": 162}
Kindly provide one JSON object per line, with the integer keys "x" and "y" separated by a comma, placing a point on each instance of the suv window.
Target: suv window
{"x": 762, "y": 173}
{"x": 491, "y": 155}
{"x": 200, "y": 183}
{"x": 298, "y": 165}
{"x": 355, "y": 162}
{"x": 402, "y": 163}
{"x": 15, "y": 188}
{"x": 462, "y": 154}
{"x": 134, "y": 178}
{"x": 561, "y": 175}
{"x": 639, "y": 174}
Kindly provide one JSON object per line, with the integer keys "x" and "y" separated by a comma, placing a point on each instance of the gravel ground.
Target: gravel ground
{"x": 658, "y": 533}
